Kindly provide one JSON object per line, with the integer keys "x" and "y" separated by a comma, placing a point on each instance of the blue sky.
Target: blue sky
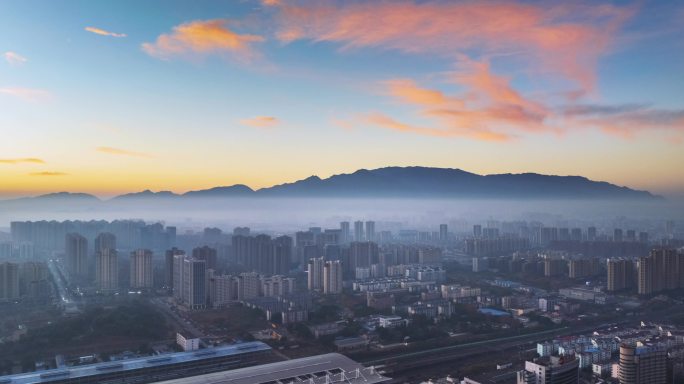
{"x": 203, "y": 93}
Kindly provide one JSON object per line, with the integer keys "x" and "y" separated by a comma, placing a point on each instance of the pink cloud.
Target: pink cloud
{"x": 14, "y": 58}
{"x": 27, "y": 94}
{"x": 565, "y": 39}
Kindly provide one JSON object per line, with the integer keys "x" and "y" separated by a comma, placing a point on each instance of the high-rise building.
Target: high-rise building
{"x": 6, "y": 250}
{"x": 76, "y": 255}
{"x": 141, "y": 269}
{"x": 26, "y": 250}
{"x": 9, "y": 281}
{"x": 669, "y": 228}
{"x": 194, "y": 283}
{"x": 345, "y": 236}
{"x": 370, "y": 230}
{"x": 553, "y": 267}
{"x": 241, "y": 231}
{"x": 358, "y": 231}
{"x": 583, "y": 267}
{"x": 222, "y": 289}
{"x": 591, "y": 233}
{"x": 208, "y": 254}
{"x": 332, "y": 277}
{"x": 642, "y": 365}
{"x": 106, "y": 269}
{"x": 550, "y": 370}
{"x": 363, "y": 254}
{"x": 477, "y": 230}
{"x": 620, "y": 274}
{"x": 315, "y": 274}
{"x": 178, "y": 284}
{"x": 263, "y": 254}
{"x": 576, "y": 234}
{"x": 169, "y": 264}
{"x": 662, "y": 269}
{"x": 630, "y": 235}
{"x": 443, "y": 232}
{"x": 617, "y": 235}
{"x": 33, "y": 279}
{"x": 280, "y": 256}
{"x": 249, "y": 285}
{"x": 105, "y": 240}
{"x": 212, "y": 235}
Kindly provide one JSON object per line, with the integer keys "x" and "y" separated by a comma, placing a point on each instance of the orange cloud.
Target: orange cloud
{"x": 487, "y": 109}
{"x": 14, "y": 58}
{"x": 261, "y": 121}
{"x": 271, "y": 3}
{"x": 565, "y": 39}
{"x": 102, "y": 32}
{"x": 48, "y": 173}
{"x": 387, "y": 122}
{"x": 408, "y": 91}
{"x": 31, "y": 160}
{"x": 201, "y": 38}
{"x": 26, "y": 94}
{"x": 122, "y": 152}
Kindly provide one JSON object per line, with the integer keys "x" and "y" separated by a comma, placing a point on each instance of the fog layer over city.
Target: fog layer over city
{"x": 289, "y": 214}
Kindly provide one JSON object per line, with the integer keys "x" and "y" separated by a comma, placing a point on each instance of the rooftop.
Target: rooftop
{"x": 328, "y": 368}
{"x": 132, "y": 364}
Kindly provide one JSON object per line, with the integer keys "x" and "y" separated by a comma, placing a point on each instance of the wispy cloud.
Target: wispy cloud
{"x": 488, "y": 108}
{"x": 103, "y": 32}
{"x": 30, "y": 160}
{"x": 626, "y": 120}
{"x": 261, "y": 122}
{"x": 122, "y": 152}
{"x": 203, "y": 37}
{"x": 387, "y": 122}
{"x": 565, "y": 39}
{"x": 14, "y": 58}
{"x": 48, "y": 173}
{"x": 26, "y": 94}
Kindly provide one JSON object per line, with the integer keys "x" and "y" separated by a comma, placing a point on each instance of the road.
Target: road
{"x": 183, "y": 323}
{"x": 67, "y": 303}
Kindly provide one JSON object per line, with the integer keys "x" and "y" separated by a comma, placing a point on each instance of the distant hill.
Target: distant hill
{"x": 451, "y": 183}
{"x": 390, "y": 182}
{"x": 231, "y": 191}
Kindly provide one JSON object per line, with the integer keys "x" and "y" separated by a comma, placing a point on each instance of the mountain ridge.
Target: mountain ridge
{"x": 400, "y": 182}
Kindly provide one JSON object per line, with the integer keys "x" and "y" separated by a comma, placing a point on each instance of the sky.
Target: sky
{"x": 108, "y": 97}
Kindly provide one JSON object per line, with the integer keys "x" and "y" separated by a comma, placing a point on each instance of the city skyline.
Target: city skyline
{"x": 124, "y": 97}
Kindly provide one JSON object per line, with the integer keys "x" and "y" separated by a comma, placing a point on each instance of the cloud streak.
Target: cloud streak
{"x": 627, "y": 120}
{"x": 103, "y": 32}
{"x": 14, "y": 58}
{"x": 203, "y": 37}
{"x": 488, "y": 108}
{"x": 29, "y": 160}
{"x": 26, "y": 94}
{"x": 261, "y": 122}
{"x": 122, "y": 152}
